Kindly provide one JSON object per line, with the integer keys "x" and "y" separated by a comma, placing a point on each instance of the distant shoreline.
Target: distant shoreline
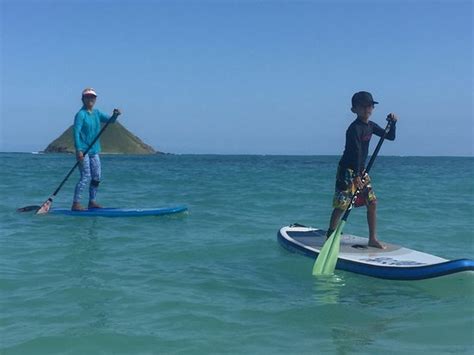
{"x": 101, "y": 153}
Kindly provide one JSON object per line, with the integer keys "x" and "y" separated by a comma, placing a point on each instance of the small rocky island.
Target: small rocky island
{"x": 116, "y": 139}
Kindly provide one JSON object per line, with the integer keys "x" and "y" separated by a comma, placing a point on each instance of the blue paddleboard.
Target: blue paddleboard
{"x": 119, "y": 212}
{"x": 394, "y": 263}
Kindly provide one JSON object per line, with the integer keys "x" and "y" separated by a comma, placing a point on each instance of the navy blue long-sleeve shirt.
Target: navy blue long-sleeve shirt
{"x": 357, "y": 143}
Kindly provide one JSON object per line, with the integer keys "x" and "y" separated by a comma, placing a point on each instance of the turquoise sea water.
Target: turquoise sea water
{"x": 215, "y": 280}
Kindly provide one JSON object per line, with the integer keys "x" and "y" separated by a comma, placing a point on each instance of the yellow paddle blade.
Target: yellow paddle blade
{"x": 327, "y": 259}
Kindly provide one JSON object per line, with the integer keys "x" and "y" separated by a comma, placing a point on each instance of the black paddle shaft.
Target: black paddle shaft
{"x": 77, "y": 162}
{"x": 367, "y": 169}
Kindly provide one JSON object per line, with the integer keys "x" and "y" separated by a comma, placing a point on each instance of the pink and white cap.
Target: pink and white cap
{"x": 89, "y": 91}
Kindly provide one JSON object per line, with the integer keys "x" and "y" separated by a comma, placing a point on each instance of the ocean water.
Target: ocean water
{"x": 215, "y": 280}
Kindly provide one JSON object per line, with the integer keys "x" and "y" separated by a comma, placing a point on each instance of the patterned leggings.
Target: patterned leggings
{"x": 90, "y": 172}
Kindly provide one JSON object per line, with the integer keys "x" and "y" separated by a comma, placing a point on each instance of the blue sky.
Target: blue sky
{"x": 240, "y": 77}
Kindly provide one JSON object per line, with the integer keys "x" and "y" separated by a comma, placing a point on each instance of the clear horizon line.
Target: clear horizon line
{"x": 253, "y": 154}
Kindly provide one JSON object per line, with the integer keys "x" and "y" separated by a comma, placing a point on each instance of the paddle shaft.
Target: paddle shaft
{"x": 327, "y": 259}
{"x": 78, "y": 162}
{"x": 44, "y": 207}
{"x": 367, "y": 169}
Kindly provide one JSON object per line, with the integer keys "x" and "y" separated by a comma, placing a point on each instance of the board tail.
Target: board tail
{"x": 327, "y": 258}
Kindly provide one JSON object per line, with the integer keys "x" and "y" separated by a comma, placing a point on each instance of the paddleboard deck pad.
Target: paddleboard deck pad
{"x": 394, "y": 263}
{"x": 119, "y": 212}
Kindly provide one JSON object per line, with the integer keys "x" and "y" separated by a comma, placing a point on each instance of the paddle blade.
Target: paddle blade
{"x": 327, "y": 258}
{"x": 45, "y": 206}
{"x": 28, "y": 208}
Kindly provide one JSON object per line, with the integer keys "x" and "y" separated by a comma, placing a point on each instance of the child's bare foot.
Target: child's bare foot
{"x": 376, "y": 244}
{"x": 76, "y": 206}
{"x": 93, "y": 204}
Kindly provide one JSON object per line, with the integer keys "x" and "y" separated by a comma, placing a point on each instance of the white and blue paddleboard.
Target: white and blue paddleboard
{"x": 119, "y": 212}
{"x": 395, "y": 262}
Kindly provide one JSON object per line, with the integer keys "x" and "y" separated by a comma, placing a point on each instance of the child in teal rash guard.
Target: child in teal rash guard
{"x": 86, "y": 128}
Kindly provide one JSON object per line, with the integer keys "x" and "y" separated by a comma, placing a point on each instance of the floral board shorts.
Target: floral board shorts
{"x": 345, "y": 189}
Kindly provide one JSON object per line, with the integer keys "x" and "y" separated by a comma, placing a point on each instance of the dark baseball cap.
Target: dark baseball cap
{"x": 363, "y": 98}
